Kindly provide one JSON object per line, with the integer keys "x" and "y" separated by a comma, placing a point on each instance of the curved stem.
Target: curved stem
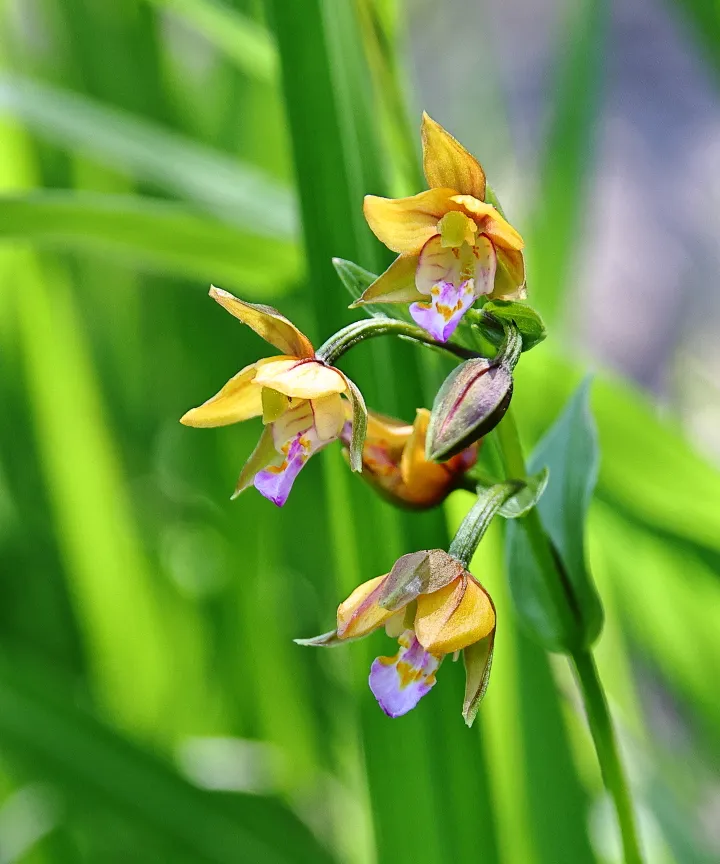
{"x": 358, "y": 331}
{"x": 591, "y": 688}
{"x": 600, "y": 722}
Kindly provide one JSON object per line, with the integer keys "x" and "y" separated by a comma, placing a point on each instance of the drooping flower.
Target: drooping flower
{"x": 394, "y": 462}
{"x": 300, "y": 399}
{"x": 433, "y": 606}
{"x": 453, "y": 246}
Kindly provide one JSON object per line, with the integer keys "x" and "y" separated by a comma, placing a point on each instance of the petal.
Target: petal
{"x": 454, "y": 617}
{"x": 303, "y": 379}
{"x": 399, "y": 683}
{"x": 238, "y": 400}
{"x": 491, "y": 222}
{"x": 360, "y": 613}
{"x": 438, "y": 263}
{"x": 419, "y": 573}
{"x": 424, "y": 482}
{"x": 358, "y": 426}
{"x": 266, "y": 322}
{"x": 261, "y": 457}
{"x": 329, "y": 416}
{"x": 297, "y": 419}
{"x": 395, "y": 285}
{"x": 510, "y": 275}
{"x": 478, "y": 660}
{"x": 447, "y": 306}
{"x": 405, "y": 224}
{"x": 447, "y": 163}
{"x": 275, "y": 483}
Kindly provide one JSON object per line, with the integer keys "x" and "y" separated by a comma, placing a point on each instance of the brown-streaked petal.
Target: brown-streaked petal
{"x": 360, "y": 614}
{"x": 454, "y": 617}
{"x": 447, "y": 163}
{"x": 395, "y": 285}
{"x": 478, "y": 661}
{"x": 406, "y": 224}
{"x": 418, "y": 573}
{"x": 262, "y": 456}
{"x": 305, "y": 379}
{"x": 266, "y": 322}
{"x": 238, "y": 400}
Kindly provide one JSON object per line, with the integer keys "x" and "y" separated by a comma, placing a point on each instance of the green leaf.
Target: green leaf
{"x": 95, "y": 767}
{"x": 570, "y": 451}
{"x": 247, "y": 44}
{"x": 523, "y": 501}
{"x": 237, "y": 193}
{"x": 152, "y": 234}
{"x": 524, "y": 317}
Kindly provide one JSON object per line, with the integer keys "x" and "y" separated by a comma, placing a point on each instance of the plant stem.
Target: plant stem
{"x": 591, "y": 688}
{"x": 601, "y": 728}
{"x": 368, "y": 328}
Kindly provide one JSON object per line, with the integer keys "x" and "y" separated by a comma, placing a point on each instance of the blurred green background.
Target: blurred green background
{"x": 152, "y": 704}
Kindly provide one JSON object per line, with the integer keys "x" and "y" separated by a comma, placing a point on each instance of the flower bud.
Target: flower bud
{"x": 471, "y": 402}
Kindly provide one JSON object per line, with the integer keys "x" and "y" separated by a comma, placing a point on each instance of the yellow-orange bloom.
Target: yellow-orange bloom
{"x": 434, "y": 607}
{"x": 298, "y": 396}
{"x": 453, "y": 246}
{"x": 394, "y": 462}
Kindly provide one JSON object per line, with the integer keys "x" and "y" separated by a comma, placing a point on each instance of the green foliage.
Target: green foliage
{"x": 570, "y": 453}
{"x": 144, "y": 155}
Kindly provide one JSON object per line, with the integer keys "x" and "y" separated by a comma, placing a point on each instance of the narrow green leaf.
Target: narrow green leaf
{"x": 523, "y": 501}
{"x": 247, "y": 44}
{"x": 571, "y": 453}
{"x": 552, "y": 239}
{"x": 92, "y": 765}
{"x": 238, "y": 193}
{"x": 152, "y": 234}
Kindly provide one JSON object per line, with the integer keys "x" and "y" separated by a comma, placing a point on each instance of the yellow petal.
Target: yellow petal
{"x": 305, "y": 379}
{"x": 329, "y": 416}
{"x": 238, "y": 400}
{"x": 490, "y": 222}
{"x": 360, "y": 614}
{"x": 274, "y": 404}
{"x": 447, "y": 163}
{"x": 389, "y": 432}
{"x": 395, "y": 285}
{"x": 266, "y": 322}
{"x": 454, "y": 617}
{"x": 509, "y": 275}
{"x": 406, "y": 224}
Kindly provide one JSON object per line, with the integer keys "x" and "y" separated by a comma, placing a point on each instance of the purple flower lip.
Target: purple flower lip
{"x": 448, "y": 304}
{"x": 399, "y": 683}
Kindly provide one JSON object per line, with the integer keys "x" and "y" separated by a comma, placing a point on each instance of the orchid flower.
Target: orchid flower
{"x": 433, "y": 606}
{"x": 394, "y": 461}
{"x": 299, "y": 397}
{"x": 454, "y": 247}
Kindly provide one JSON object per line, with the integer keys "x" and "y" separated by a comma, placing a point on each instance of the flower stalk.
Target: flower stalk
{"x": 589, "y": 683}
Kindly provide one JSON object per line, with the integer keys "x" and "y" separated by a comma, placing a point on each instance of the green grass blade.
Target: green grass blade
{"x": 233, "y": 191}
{"x": 152, "y": 234}
{"x": 247, "y": 44}
{"x": 556, "y": 227}
{"x": 94, "y": 767}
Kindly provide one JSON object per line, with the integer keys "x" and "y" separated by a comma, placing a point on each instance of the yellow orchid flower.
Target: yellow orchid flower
{"x": 394, "y": 462}
{"x": 453, "y": 247}
{"x": 299, "y": 397}
{"x": 434, "y": 607}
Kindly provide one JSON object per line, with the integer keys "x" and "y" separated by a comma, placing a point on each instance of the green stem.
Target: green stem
{"x": 591, "y": 688}
{"x": 358, "y": 331}
{"x": 600, "y": 722}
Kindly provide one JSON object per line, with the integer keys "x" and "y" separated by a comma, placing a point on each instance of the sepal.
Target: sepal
{"x": 477, "y": 659}
{"x": 415, "y": 574}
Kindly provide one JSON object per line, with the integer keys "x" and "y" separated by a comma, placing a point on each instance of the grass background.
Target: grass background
{"x": 152, "y": 704}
